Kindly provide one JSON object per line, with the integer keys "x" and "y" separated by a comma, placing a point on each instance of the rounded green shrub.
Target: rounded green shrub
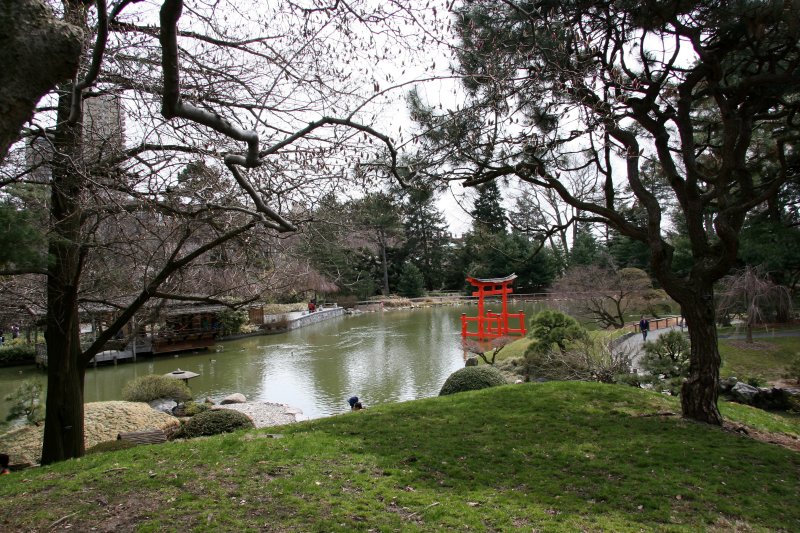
{"x": 153, "y": 387}
{"x": 214, "y": 422}
{"x": 472, "y": 378}
{"x": 17, "y": 352}
{"x": 111, "y": 446}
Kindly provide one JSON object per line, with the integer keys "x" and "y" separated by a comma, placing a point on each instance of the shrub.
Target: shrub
{"x": 26, "y": 401}
{"x": 111, "y": 446}
{"x": 585, "y": 359}
{"x": 214, "y": 422}
{"x": 755, "y": 381}
{"x": 153, "y": 387}
{"x": 553, "y": 327}
{"x": 472, "y": 378}
{"x": 412, "y": 282}
{"x": 668, "y": 355}
{"x": 17, "y": 352}
{"x": 232, "y": 320}
{"x": 666, "y": 361}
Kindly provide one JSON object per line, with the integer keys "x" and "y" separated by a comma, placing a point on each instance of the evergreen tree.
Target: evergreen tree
{"x": 585, "y": 249}
{"x": 412, "y": 282}
{"x": 377, "y": 216}
{"x": 426, "y": 235}
{"x": 487, "y": 212}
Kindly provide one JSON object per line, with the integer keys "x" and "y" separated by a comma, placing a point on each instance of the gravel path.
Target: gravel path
{"x": 265, "y": 414}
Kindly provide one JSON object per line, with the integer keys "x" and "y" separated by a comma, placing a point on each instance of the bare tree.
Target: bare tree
{"x": 602, "y": 294}
{"x": 495, "y": 347}
{"x": 753, "y": 293}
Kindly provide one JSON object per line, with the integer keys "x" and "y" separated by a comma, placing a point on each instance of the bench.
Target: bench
{"x": 149, "y": 436}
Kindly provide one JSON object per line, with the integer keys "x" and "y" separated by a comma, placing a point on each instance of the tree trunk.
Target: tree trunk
{"x": 63, "y": 434}
{"x": 700, "y": 391}
{"x": 63, "y": 429}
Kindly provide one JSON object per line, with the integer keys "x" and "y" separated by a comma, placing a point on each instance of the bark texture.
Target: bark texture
{"x": 699, "y": 392}
{"x": 39, "y": 51}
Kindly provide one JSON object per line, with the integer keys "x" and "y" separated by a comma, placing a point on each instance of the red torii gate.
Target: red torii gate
{"x": 491, "y": 325}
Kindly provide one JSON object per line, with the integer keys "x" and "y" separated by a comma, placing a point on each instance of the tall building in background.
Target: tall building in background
{"x": 103, "y": 127}
{"x": 103, "y": 136}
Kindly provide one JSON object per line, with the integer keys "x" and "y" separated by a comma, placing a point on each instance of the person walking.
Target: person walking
{"x": 644, "y": 327}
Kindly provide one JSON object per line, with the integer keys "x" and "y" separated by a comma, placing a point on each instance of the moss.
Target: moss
{"x": 472, "y": 378}
{"x": 195, "y": 408}
{"x": 214, "y": 422}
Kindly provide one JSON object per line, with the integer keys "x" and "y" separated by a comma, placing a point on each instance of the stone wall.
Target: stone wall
{"x": 317, "y": 316}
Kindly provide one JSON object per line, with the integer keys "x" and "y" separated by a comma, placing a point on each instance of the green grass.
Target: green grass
{"x": 767, "y": 359}
{"x": 516, "y": 349}
{"x": 547, "y": 457}
{"x": 778, "y": 422}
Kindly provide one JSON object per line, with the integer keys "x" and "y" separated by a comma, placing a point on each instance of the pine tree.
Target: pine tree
{"x": 426, "y": 236}
{"x": 487, "y": 212}
{"x": 412, "y": 282}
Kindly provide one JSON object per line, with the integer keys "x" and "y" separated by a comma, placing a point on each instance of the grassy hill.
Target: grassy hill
{"x": 546, "y": 457}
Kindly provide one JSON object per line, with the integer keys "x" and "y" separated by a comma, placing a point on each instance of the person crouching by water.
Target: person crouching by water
{"x": 355, "y": 405}
{"x": 352, "y": 402}
{"x": 311, "y": 306}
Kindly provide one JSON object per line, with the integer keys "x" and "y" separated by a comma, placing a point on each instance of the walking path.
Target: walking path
{"x": 635, "y": 345}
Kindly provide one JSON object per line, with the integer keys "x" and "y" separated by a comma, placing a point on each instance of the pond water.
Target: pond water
{"x": 389, "y": 356}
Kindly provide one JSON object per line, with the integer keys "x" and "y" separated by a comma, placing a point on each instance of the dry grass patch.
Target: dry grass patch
{"x": 103, "y": 421}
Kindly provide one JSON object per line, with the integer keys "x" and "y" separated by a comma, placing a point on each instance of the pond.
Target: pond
{"x": 389, "y": 356}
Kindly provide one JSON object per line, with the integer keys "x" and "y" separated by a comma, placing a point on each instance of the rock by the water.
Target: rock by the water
{"x": 725, "y": 385}
{"x": 264, "y": 414}
{"x": 744, "y": 393}
{"x": 763, "y": 397}
{"x": 233, "y": 398}
{"x": 472, "y": 361}
{"x": 163, "y": 405}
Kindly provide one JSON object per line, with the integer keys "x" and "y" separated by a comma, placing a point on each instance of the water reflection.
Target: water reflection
{"x": 380, "y": 357}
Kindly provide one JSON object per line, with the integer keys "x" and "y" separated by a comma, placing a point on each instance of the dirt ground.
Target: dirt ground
{"x": 781, "y": 439}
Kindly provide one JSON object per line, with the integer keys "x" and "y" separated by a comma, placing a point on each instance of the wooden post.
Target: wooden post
{"x": 480, "y": 312}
